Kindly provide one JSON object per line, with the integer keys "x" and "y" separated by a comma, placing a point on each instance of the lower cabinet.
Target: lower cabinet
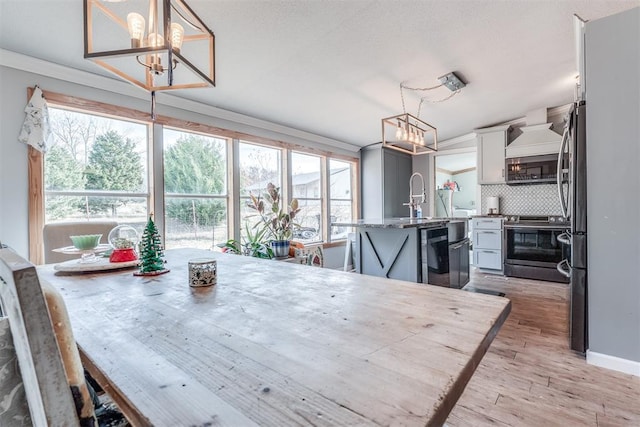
{"x": 487, "y": 258}
{"x": 389, "y": 252}
{"x": 487, "y": 243}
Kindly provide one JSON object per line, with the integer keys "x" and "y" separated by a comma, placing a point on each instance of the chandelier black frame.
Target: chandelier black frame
{"x": 168, "y": 44}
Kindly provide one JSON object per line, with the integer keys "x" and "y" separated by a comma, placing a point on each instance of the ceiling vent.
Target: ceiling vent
{"x": 535, "y": 140}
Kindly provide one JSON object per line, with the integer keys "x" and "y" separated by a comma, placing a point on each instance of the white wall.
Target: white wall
{"x": 466, "y": 197}
{"x": 14, "y": 81}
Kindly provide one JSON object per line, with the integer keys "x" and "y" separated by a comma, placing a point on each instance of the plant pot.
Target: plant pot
{"x": 280, "y": 248}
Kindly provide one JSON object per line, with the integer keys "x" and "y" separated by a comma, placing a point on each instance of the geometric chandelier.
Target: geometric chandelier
{"x": 156, "y": 45}
{"x": 407, "y": 133}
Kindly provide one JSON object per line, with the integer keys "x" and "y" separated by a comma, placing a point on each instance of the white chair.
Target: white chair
{"x": 56, "y": 235}
{"x": 349, "y": 263}
{"x": 48, "y": 358}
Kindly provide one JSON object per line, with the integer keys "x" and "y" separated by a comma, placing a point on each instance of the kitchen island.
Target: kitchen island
{"x": 392, "y": 247}
{"x": 276, "y": 344}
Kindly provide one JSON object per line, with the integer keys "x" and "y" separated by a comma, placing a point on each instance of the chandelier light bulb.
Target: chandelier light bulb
{"x": 399, "y": 132}
{"x": 155, "y": 40}
{"x": 155, "y": 65}
{"x": 135, "y": 22}
{"x": 177, "y": 36}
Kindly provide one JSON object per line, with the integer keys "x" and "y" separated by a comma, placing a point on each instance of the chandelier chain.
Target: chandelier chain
{"x": 424, "y": 98}
{"x": 435, "y": 101}
{"x": 421, "y": 88}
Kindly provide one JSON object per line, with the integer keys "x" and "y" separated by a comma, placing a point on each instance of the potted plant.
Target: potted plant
{"x": 276, "y": 219}
{"x": 253, "y": 245}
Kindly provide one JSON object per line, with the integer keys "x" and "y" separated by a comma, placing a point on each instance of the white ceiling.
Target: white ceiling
{"x": 333, "y": 68}
{"x": 456, "y": 162}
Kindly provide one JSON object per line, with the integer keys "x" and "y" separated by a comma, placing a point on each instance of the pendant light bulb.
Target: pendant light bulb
{"x": 155, "y": 40}
{"x": 399, "y": 132}
{"x": 177, "y": 36}
{"x": 135, "y": 23}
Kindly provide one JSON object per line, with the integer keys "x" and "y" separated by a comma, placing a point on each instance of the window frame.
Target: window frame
{"x": 155, "y": 168}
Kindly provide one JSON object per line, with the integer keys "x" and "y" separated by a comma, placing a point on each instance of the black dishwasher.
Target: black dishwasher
{"x": 445, "y": 255}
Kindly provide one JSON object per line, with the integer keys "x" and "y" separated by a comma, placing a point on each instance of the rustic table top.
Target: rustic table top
{"x": 277, "y": 343}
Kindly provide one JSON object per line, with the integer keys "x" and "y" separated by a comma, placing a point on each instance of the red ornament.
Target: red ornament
{"x": 123, "y": 255}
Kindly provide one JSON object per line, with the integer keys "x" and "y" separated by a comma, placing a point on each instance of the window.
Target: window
{"x": 258, "y": 166}
{"x": 195, "y": 186}
{"x": 96, "y": 168}
{"x": 100, "y": 167}
{"x": 341, "y": 193}
{"x": 306, "y": 182}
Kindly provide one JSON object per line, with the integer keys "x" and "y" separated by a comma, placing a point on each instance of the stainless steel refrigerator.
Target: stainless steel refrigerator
{"x": 572, "y": 191}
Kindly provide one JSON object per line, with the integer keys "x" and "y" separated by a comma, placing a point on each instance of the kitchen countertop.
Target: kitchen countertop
{"x": 426, "y": 222}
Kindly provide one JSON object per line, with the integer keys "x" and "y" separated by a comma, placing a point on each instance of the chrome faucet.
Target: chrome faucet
{"x": 412, "y": 202}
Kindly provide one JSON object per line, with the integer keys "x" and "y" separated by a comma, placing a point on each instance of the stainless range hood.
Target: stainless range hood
{"x": 535, "y": 140}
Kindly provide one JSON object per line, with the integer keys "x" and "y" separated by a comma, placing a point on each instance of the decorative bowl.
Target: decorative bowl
{"x": 86, "y": 242}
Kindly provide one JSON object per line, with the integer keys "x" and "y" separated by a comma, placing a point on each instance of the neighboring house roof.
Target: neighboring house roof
{"x": 299, "y": 179}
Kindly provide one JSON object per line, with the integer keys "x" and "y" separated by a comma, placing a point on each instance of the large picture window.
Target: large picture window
{"x": 306, "y": 182}
{"x": 195, "y": 186}
{"x": 96, "y": 169}
{"x": 258, "y": 166}
{"x": 341, "y": 192}
{"x": 104, "y": 164}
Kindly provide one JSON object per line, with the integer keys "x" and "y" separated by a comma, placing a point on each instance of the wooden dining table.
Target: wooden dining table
{"x": 276, "y": 344}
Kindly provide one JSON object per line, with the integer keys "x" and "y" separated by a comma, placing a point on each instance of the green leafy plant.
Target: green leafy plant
{"x": 276, "y": 218}
{"x": 253, "y": 245}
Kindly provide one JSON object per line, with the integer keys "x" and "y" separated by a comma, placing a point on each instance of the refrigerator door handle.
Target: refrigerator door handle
{"x": 565, "y": 271}
{"x": 564, "y": 239}
{"x": 559, "y": 172}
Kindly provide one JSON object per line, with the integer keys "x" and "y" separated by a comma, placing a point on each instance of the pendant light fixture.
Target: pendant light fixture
{"x": 156, "y": 45}
{"x": 409, "y": 134}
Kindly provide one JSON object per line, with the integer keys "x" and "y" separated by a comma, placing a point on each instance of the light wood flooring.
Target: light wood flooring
{"x": 530, "y": 377}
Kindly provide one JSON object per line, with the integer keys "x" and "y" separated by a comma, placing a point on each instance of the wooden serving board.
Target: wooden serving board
{"x": 101, "y": 264}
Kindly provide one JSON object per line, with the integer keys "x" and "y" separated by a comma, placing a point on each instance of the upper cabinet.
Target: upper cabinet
{"x": 491, "y": 154}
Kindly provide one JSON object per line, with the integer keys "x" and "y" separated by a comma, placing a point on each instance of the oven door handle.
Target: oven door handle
{"x": 565, "y": 271}
{"x": 564, "y": 239}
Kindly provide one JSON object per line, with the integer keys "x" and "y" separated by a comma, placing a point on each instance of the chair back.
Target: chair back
{"x": 56, "y": 235}
{"x": 46, "y": 387}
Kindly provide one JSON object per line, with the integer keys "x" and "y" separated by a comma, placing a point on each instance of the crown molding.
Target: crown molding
{"x": 457, "y": 140}
{"x": 41, "y": 67}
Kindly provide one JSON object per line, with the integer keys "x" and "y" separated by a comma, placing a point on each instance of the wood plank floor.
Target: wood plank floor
{"x": 530, "y": 377}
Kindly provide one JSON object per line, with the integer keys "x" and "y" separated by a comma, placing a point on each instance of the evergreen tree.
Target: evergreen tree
{"x": 194, "y": 165}
{"x": 62, "y": 172}
{"x": 151, "y": 252}
{"x": 113, "y": 165}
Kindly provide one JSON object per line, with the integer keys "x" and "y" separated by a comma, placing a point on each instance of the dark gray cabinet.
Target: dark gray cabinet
{"x": 384, "y": 182}
{"x": 459, "y": 264}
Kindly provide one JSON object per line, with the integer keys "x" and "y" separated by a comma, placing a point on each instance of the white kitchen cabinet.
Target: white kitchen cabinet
{"x": 487, "y": 243}
{"x": 491, "y": 143}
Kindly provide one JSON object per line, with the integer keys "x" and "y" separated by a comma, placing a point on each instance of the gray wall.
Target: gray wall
{"x": 14, "y": 82}
{"x": 613, "y": 184}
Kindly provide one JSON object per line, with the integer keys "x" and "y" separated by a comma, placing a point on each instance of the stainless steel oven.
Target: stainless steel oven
{"x": 532, "y": 249}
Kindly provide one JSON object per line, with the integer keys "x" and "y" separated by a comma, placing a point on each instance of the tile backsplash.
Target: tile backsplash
{"x": 539, "y": 199}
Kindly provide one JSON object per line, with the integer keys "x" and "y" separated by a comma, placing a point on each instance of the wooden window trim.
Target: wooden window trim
{"x": 36, "y": 159}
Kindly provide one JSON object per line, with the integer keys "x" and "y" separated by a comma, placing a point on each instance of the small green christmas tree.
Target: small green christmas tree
{"x": 151, "y": 252}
